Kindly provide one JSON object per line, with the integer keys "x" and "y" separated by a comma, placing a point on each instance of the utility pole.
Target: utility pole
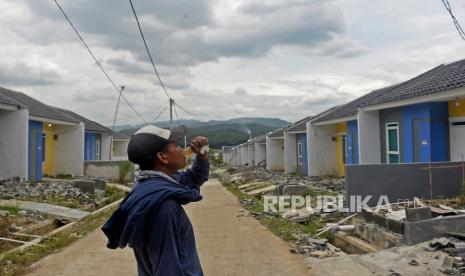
{"x": 171, "y": 112}
{"x": 114, "y": 120}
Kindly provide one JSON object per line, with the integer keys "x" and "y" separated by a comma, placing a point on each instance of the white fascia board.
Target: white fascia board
{"x": 9, "y": 107}
{"x": 336, "y": 121}
{"x": 297, "y": 132}
{"x": 52, "y": 121}
{"x": 444, "y": 96}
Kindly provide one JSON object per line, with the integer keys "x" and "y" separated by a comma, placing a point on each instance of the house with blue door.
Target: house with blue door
{"x": 295, "y": 145}
{"x": 97, "y": 138}
{"x": 333, "y": 139}
{"x": 55, "y": 141}
{"x": 13, "y": 139}
{"x": 419, "y": 120}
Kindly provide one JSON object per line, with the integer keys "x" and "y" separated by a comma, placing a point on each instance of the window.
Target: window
{"x": 299, "y": 152}
{"x": 97, "y": 148}
{"x": 392, "y": 143}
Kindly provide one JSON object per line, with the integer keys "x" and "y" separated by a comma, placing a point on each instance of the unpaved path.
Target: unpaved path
{"x": 228, "y": 243}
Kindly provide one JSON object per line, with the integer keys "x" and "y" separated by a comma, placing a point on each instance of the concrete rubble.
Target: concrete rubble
{"x": 14, "y": 188}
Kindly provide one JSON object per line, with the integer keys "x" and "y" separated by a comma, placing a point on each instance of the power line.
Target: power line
{"x": 454, "y": 19}
{"x": 186, "y": 111}
{"x": 159, "y": 114}
{"x": 176, "y": 113}
{"x": 147, "y": 49}
{"x": 97, "y": 62}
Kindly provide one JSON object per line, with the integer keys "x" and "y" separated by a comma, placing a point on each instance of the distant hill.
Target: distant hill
{"x": 221, "y": 133}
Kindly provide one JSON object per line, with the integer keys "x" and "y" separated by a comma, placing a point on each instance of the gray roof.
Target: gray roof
{"x": 120, "y": 136}
{"x": 6, "y": 100}
{"x": 88, "y": 124}
{"x": 35, "y": 107}
{"x": 437, "y": 80}
{"x": 277, "y": 133}
{"x": 261, "y": 139}
{"x": 350, "y": 109}
{"x": 300, "y": 125}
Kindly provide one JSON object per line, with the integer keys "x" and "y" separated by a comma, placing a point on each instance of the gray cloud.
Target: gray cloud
{"x": 36, "y": 71}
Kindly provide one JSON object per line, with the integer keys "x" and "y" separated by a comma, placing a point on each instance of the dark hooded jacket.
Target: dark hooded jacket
{"x": 152, "y": 221}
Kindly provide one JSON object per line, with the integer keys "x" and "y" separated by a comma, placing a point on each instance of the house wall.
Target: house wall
{"x": 341, "y": 130}
{"x": 251, "y": 154}
{"x": 290, "y": 153}
{"x": 423, "y": 132}
{"x": 260, "y": 153}
{"x": 322, "y": 152}
{"x": 274, "y": 154}
{"x": 120, "y": 148}
{"x": 48, "y": 166}
{"x": 457, "y": 110}
{"x": 14, "y": 143}
{"x": 302, "y": 169}
{"x": 106, "y": 146}
{"x": 69, "y": 158}
{"x": 369, "y": 142}
{"x": 237, "y": 158}
{"x": 244, "y": 156}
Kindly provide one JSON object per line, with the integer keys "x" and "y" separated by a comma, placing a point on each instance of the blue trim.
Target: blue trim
{"x": 36, "y": 162}
{"x": 352, "y": 142}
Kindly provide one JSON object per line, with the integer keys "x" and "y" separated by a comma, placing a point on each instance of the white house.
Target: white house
{"x": 275, "y": 150}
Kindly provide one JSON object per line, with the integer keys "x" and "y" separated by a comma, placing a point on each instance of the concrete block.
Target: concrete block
{"x": 395, "y": 226}
{"x": 423, "y": 230}
{"x": 368, "y": 216}
{"x": 294, "y": 190}
{"x": 380, "y": 220}
{"x": 100, "y": 184}
{"x": 417, "y": 214}
{"x": 86, "y": 186}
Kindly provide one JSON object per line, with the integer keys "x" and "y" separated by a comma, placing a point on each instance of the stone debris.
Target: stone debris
{"x": 454, "y": 263}
{"x": 316, "y": 248}
{"x": 14, "y": 188}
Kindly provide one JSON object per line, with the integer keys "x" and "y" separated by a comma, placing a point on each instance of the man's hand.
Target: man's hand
{"x": 196, "y": 144}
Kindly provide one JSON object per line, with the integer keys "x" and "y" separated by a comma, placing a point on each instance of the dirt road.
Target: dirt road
{"x": 228, "y": 243}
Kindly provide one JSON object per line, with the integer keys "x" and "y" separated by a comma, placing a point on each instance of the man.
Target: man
{"x": 151, "y": 219}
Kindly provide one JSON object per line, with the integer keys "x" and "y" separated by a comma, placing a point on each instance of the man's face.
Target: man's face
{"x": 174, "y": 155}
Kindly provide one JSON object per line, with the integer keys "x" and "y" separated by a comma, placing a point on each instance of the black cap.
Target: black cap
{"x": 149, "y": 140}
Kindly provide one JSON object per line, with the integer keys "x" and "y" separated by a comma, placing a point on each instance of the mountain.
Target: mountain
{"x": 221, "y": 133}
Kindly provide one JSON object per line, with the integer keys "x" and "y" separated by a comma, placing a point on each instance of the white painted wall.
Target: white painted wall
{"x": 120, "y": 149}
{"x": 244, "y": 155}
{"x": 290, "y": 153}
{"x": 251, "y": 154}
{"x": 13, "y": 143}
{"x": 69, "y": 150}
{"x": 368, "y": 137}
{"x": 322, "y": 155}
{"x": 274, "y": 154}
{"x": 106, "y": 146}
{"x": 260, "y": 153}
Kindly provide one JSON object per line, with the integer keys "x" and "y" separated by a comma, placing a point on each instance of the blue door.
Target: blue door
{"x": 302, "y": 158}
{"x": 352, "y": 143}
{"x": 35, "y": 151}
{"x": 89, "y": 146}
{"x": 421, "y": 140}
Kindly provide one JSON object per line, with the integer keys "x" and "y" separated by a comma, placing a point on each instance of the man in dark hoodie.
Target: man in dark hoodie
{"x": 151, "y": 219}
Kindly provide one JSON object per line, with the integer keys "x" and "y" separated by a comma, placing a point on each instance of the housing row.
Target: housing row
{"x": 37, "y": 139}
{"x": 419, "y": 120}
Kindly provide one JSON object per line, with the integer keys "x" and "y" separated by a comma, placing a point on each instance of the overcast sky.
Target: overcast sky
{"x": 221, "y": 59}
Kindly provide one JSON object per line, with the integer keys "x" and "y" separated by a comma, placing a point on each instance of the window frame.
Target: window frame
{"x": 299, "y": 152}
{"x": 392, "y": 126}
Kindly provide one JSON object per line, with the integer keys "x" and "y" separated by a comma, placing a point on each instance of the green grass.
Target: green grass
{"x": 113, "y": 194}
{"x": 12, "y": 210}
{"x": 16, "y": 263}
{"x": 126, "y": 169}
{"x": 56, "y": 200}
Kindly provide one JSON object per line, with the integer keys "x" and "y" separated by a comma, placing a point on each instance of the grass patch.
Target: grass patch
{"x": 126, "y": 169}
{"x": 12, "y": 210}
{"x": 16, "y": 263}
{"x": 113, "y": 194}
{"x": 56, "y": 200}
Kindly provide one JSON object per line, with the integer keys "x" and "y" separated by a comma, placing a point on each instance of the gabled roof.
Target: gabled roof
{"x": 261, "y": 139}
{"x": 437, "y": 80}
{"x": 88, "y": 124}
{"x": 277, "y": 133}
{"x": 35, "y": 107}
{"x": 9, "y": 101}
{"x": 300, "y": 125}
{"x": 350, "y": 109}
